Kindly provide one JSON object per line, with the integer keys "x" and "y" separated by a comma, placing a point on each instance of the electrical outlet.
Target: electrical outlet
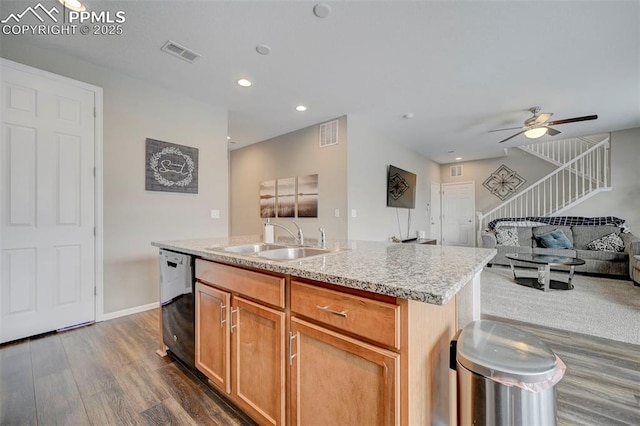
{"x": 215, "y": 214}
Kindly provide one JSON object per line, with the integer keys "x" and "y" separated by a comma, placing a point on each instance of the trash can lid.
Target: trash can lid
{"x": 493, "y": 349}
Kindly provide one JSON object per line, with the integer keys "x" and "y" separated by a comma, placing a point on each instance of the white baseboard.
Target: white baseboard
{"x": 129, "y": 311}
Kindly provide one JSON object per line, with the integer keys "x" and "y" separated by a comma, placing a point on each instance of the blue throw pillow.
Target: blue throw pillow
{"x": 555, "y": 239}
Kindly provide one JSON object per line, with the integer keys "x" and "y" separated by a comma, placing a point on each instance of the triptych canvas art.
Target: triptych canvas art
{"x": 289, "y": 197}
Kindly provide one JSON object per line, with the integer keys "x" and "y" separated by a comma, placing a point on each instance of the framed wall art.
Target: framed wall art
{"x": 307, "y": 196}
{"x": 171, "y": 167}
{"x": 286, "y": 197}
{"x": 289, "y": 197}
{"x": 268, "y": 198}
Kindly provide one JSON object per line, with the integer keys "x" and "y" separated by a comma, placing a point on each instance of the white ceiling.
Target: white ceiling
{"x": 461, "y": 67}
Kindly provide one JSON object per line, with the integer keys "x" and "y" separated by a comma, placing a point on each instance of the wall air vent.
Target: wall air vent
{"x": 455, "y": 171}
{"x": 181, "y": 52}
{"x": 329, "y": 133}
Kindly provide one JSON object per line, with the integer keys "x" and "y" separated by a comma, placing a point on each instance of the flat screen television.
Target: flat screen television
{"x": 401, "y": 188}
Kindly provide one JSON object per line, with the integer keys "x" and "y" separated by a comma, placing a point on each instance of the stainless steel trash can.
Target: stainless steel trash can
{"x": 506, "y": 376}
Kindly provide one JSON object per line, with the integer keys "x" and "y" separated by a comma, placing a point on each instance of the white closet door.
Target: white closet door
{"x": 47, "y": 244}
{"x": 458, "y": 214}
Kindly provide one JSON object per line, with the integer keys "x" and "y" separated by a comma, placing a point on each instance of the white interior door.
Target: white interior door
{"x": 458, "y": 214}
{"x": 47, "y": 244}
{"x": 435, "y": 207}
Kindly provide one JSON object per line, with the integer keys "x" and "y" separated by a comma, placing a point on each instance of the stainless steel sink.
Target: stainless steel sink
{"x": 291, "y": 253}
{"x": 278, "y": 252}
{"x": 249, "y": 248}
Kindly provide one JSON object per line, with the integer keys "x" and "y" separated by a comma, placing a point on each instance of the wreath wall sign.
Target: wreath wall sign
{"x": 171, "y": 167}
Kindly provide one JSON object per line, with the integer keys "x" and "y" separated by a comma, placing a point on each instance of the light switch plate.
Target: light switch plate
{"x": 354, "y": 213}
{"x": 336, "y": 212}
{"x": 215, "y": 214}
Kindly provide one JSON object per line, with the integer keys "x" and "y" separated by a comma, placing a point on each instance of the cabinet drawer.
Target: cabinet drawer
{"x": 257, "y": 286}
{"x": 373, "y": 320}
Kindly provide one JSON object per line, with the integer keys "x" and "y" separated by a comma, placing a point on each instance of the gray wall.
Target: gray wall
{"x": 526, "y": 165}
{"x": 623, "y": 201}
{"x": 294, "y": 154}
{"x": 133, "y": 217}
{"x": 369, "y": 155}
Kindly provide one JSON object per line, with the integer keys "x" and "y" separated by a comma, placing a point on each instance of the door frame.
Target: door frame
{"x": 432, "y": 196}
{"x": 98, "y": 170}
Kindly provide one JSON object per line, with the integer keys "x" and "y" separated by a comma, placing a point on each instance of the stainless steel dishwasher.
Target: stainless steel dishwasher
{"x": 177, "y": 301}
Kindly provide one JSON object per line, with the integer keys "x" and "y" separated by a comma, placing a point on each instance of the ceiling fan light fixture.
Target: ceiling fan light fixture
{"x": 536, "y": 132}
{"x": 74, "y": 5}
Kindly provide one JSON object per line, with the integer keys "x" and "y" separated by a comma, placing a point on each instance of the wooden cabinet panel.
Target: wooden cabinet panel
{"x": 373, "y": 320}
{"x": 254, "y": 285}
{"x": 337, "y": 380}
{"x": 258, "y": 361}
{"x": 212, "y": 335}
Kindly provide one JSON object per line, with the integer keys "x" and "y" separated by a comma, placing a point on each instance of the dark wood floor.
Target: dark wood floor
{"x": 601, "y": 386}
{"x": 108, "y": 374}
{"x": 103, "y": 374}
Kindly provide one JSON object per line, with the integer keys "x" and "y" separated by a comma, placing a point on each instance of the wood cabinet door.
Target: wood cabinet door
{"x": 212, "y": 335}
{"x": 337, "y": 380}
{"x": 259, "y": 364}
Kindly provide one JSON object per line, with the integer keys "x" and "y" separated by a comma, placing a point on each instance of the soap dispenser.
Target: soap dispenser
{"x": 268, "y": 232}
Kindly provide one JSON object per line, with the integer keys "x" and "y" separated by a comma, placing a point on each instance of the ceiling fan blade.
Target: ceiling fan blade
{"x": 552, "y": 132}
{"x": 542, "y": 118}
{"x": 513, "y": 136}
{"x": 508, "y": 128}
{"x": 572, "y": 120}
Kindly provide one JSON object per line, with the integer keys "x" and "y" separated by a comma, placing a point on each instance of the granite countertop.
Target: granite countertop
{"x": 426, "y": 273}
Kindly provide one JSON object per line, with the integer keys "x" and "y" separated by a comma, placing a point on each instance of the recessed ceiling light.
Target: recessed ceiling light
{"x": 408, "y": 116}
{"x": 244, "y": 82}
{"x": 263, "y": 49}
{"x": 321, "y": 10}
{"x": 228, "y": 137}
{"x": 301, "y": 108}
{"x": 73, "y": 5}
{"x": 458, "y": 158}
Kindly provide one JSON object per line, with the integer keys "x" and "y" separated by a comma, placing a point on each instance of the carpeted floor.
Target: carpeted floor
{"x": 597, "y": 306}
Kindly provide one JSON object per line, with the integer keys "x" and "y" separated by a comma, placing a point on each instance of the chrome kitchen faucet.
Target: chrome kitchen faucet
{"x": 299, "y": 239}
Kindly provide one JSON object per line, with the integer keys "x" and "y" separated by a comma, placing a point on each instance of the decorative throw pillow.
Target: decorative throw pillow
{"x": 611, "y": 242}
{"x": 507, "y": 237}
{"x": 555, "y": 239}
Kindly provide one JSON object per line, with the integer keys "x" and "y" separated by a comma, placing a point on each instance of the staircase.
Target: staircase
{"x": 562, "y": 151}
{"x": 583, "y": 171}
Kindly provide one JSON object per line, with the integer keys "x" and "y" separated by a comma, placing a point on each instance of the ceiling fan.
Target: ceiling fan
{"x": 539, "y": 125}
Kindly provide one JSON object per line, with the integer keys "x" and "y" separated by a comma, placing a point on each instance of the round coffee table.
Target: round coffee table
{"x": 544, "y": 261}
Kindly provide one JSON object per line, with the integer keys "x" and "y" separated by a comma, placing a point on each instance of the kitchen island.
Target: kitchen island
{"x": 358, "y": 335}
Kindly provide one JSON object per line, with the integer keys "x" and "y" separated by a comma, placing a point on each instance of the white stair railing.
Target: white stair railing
{"x": 560, "y": 152}
{"x": 576, "y": 180}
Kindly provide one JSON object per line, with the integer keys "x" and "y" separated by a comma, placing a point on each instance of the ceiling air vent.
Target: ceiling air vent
{"x": 456, "y": 171}
{"x": 329, "y": 133}
{"x": 181, "y": 52}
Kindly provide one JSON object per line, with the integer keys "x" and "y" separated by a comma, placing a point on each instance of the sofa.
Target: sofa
{"x": 582, "y": 243}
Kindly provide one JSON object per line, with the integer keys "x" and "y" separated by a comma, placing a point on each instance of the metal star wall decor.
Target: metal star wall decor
{"x": 397, "y": 186}
{"x": 503, "y": 182}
